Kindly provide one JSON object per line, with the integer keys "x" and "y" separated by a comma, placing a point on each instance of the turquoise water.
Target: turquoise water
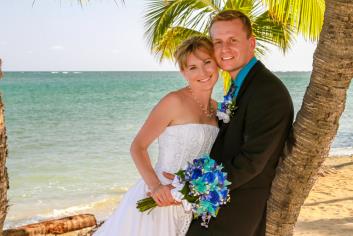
{"x": 69, "y": 135}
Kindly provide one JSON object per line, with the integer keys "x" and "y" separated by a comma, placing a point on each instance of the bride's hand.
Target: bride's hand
{"x": 168, "y": 175}
{"x": 162, "y": 196}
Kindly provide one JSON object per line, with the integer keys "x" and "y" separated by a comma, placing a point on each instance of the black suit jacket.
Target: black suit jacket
{"x": 249, "y": 147}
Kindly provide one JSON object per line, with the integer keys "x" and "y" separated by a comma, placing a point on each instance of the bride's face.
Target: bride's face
{"x": 201, "y": 71}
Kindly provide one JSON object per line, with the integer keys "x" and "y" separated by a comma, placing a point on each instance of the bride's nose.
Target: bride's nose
{"x": 204, "y": 71}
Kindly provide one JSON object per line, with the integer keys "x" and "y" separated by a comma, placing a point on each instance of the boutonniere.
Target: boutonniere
{"x": 226, "y": 109}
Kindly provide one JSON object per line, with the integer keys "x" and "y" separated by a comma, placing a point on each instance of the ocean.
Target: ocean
{"x": 69, "y": 135}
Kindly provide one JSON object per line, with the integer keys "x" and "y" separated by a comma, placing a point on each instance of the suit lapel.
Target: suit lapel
{"x": 247, "y": 81}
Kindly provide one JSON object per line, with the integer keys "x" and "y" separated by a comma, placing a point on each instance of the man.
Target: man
{"x": 250, "y": 144}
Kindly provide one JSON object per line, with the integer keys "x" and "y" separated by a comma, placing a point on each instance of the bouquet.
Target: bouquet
{"x": 201, "y": 187}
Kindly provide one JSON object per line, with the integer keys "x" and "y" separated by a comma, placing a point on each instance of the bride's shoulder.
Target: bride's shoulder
{"x": 174, "y": 98}
{"x": 170, "y": 102}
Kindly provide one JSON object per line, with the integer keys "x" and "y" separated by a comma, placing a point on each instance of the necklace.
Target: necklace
{"x": 208, "y": 113}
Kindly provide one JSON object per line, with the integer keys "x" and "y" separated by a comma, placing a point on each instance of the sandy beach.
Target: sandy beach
{"x": 328, "y": 210}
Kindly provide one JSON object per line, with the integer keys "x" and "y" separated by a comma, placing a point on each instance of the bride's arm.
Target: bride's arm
{"x": 160, "y": 117}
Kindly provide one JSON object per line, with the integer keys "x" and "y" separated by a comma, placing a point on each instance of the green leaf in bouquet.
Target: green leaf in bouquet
{"x": 185, "y": 190}
{"x": 181, "y": 174}
{"x": 191, "y": 199}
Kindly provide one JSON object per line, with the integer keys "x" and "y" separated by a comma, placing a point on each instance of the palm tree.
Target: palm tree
{"x": 4, "y": 181}
{"x": 168, "y": 23}
{"x": 318, "y": 119}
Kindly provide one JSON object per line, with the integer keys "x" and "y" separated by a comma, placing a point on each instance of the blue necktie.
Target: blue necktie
{"x": 231, "y": 90}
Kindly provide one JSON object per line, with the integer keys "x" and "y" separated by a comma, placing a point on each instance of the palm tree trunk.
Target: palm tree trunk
{"x": 317, "y": 121}
{"x": 4, "y": 181}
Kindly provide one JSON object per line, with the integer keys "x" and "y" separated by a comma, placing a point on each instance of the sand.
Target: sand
{"x": 328, "y": 210}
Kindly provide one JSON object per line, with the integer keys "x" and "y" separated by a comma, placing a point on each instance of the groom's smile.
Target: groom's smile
{"x": 227, "y": 58}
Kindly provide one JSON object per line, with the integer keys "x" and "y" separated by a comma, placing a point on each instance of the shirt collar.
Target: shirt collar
{"x": 245, "y": 70}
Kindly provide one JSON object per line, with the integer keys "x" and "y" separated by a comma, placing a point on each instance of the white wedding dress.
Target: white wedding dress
{"x": 178, "y": 145}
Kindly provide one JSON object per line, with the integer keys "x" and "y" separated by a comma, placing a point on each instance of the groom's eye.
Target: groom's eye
{"x": 233, "y": 40}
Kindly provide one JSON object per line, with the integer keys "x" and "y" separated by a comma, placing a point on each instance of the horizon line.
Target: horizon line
{"x": 10, "y": 71}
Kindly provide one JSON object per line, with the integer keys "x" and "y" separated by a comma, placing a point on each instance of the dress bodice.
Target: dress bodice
{"x": 180, "y": 144}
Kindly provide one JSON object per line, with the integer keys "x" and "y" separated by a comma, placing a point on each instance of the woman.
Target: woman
{"x": 185, "y": 124}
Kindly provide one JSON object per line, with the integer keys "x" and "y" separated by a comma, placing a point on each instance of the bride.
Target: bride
{"x": 185, "y": 124}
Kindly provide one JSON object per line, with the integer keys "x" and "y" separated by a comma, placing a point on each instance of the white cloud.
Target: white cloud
{"x": 116, "y": 51}
{"x": 57, "y": 48}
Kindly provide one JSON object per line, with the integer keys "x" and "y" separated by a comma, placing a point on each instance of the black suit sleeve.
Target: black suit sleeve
{"x": 268, "y": 119}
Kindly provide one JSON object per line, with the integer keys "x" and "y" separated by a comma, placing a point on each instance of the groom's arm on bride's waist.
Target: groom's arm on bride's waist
{"x": 268, "y": 121}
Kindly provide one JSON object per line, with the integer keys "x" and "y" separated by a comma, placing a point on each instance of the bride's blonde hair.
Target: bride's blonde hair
{"x": 192, "y": 45}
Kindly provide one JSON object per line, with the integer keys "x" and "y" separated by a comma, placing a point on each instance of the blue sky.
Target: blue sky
{"x": 56, "y": 35}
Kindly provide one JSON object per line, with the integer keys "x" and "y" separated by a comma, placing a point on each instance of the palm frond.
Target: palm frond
{"x": 171, "y": 40}
{"x": 244, "y": 6}
{"x": 162, "y": 15}
{"x": 166, "y": 21}
{"x": 273, "y": 32}
{"x": 305, "y": 15}
{"x": 261, "y": 49}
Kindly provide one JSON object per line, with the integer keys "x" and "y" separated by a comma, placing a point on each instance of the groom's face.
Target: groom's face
{"x": 233, "y": 48}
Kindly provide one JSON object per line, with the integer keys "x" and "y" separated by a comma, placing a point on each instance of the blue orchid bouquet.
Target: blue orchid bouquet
{"x": 201, "y": 187}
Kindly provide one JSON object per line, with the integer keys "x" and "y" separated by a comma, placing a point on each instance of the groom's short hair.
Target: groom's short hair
{"x": 229, "y": 15}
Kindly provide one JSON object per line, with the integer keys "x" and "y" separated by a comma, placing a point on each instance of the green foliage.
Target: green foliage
{"x": 169, "y": 22}
{"x": 306, "y": 16}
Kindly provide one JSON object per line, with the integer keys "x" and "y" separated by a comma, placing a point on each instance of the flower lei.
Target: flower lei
{"x": 226, "y": 109}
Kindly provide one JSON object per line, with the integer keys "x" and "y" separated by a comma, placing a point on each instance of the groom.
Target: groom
{"x": 250, "y": 144}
